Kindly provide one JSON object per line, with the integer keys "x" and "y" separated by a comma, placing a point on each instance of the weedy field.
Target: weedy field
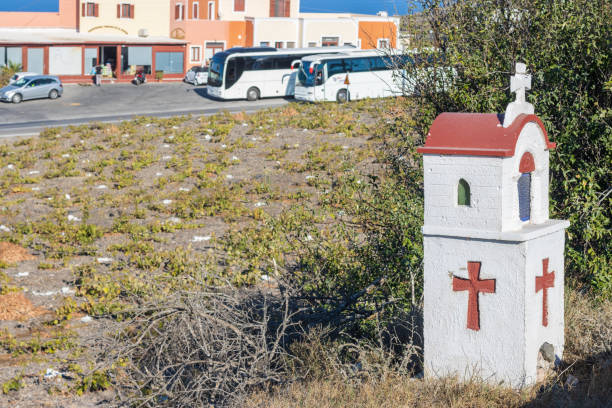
{"x": 112, "y": 236}
{"x": 102, "y": 216}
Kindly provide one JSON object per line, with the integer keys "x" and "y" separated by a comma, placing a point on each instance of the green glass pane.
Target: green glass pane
{"x": 463, "y": 193}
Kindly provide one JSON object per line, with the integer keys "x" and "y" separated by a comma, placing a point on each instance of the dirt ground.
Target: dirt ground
{"x": 89, "y": 211}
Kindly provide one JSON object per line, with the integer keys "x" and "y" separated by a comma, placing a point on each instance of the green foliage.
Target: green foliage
{"x": 566, "y": 45}
{"x": 14, "y": 384}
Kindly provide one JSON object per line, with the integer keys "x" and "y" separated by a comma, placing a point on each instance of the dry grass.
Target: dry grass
{"x": 15, "y": 306}
{"x": 11, "y": 253}
{"x": 588, "y": 357}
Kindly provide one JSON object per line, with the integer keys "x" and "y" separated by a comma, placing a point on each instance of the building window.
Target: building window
{"x": 196, "y": 53}
{"x": 280, "y": 8}
{"x": 125, "y": 10}
{"x": 238, "y": 5}
{"x": 89, "y": 9}
{"x": 264, "y": 44}
{"x": 330, "y": 41}
{"x": 136, "y": 59}
{"x": 179, "y": 11}
{"x": 278, "y": 44}
{"x": 211, "y": 10}
{"x": 312, "y": 44}
{"x": 382, "y": 43}
{"x": 196, "y": 11}
{"x": 463, "y": 193}
{"x": 169, "y": 62}
{"x": 290, "y": 44}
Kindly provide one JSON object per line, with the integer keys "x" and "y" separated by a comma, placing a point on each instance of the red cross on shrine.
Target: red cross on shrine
{"x": 474, "y": 285}
{"x": 547, "y": 280}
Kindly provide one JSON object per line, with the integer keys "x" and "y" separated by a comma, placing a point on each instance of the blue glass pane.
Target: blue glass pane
{"x": 524, "y": 193}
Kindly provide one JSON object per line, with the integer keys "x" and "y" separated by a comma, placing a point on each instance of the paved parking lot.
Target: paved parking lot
{"x": 111, "y": 102}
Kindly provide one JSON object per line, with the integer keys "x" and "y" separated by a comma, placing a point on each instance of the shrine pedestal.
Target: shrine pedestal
{"x": 496, "y": 334}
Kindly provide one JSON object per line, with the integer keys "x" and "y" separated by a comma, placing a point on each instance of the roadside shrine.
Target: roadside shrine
{"x": 493, "y": 259}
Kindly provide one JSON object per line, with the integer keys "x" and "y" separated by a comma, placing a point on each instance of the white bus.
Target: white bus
{"x": 351, "y": 75}
{"x": 258, "y": 72}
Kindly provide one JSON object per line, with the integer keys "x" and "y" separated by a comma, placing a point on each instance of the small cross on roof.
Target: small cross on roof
{"x": 519, "y": 83}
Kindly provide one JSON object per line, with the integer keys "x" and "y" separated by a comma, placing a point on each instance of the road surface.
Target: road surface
{"x": 116, "y": 102}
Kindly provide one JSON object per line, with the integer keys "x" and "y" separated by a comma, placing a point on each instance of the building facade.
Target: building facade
{"x": 124, "y": 36}
{"x": 215, "y": 25}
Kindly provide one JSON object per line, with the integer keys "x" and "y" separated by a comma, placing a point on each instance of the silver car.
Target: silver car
{"x": 32, "y": 87}
{"x": 197, "y": 76}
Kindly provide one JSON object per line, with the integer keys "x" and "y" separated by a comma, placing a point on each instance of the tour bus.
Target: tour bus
{"x": 258, "y": 72}
{"x": 351, "y": 75}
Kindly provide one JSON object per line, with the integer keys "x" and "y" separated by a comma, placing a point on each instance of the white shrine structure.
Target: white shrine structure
{"x": 493, "y": 260}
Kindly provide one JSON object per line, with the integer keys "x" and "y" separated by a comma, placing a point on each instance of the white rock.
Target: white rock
{"x": 197, "y": 238}
{"x": 260, "y": 204}
{"x": 86, "y": 319}
{"x": 22, "y": 274}
{"x": 174, "y": 127}
{"x": 223, "y": 146}
{"x": 245, "y": 124}
{"x": 175, "y": 220}
{"x": 48, "y": 293}
{"x": 73, "y": 218}
{"x": 171, "y": 137}
{"x": 309, "y": 237}
{"x": 67, "y": 291}
{"x": 166, "y": 157}
{"x": 184, "y": 189}
{"x": 67, "y": 196}
{"x": 33, "y": 172}
{"x": 65, "y": 155}
{"x": 234, "y": 158}
{"x": 10, "y": 167}
{"x": 265, "y": 278}
{"x": 51, "y": 373}
{"x": 158, "y": 174}
{"x": 309, "y": 177}
{"x": 229, "y": 176}
{"x": 166, "y": 145}
{"x": 166, "y": 202}
{"x": 207, "y": 137}
{"x": 4, "y": 228}
{"x": 35, "y": 188}
{"x": 147, "y": 125}
{"x": 345, "y": 147}
{"x": 105, "y": 261}
{"x": 101, "y": 187}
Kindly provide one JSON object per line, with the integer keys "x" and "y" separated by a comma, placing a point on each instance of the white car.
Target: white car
{"x": 197, "y": 76}
{"x": 19, "y": 75}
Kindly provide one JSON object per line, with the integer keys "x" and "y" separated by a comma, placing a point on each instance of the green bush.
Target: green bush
{"x": 566, "y": 45}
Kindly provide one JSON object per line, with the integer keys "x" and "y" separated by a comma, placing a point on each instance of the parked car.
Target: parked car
{"x": 18, "y": 75}
{"x": 197, "y": 76}
{"x": 32, "y": 87}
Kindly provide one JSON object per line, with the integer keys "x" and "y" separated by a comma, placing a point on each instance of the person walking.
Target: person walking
{"x": 98, "y": 75}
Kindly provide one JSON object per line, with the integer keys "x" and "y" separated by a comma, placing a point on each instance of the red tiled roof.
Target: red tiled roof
{"x": 477, "y": 134}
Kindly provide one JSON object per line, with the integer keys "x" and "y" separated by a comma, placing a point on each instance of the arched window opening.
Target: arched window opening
{"x": 524, "y": 193}
{"x": 526, "y": 166}
{"x": 463, "y": 193}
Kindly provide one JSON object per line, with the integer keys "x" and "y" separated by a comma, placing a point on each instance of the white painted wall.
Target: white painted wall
{"x": 276, "y": 29}
{"x": 346, "y": 29}
{"x": 441, "y": 179}
{"x": 511, "y": 332}
{"x": 65, "y": 60}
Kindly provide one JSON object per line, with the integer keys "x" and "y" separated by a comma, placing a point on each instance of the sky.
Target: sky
{"x": 354, "y": 6}
{"x": 29, "y": 5}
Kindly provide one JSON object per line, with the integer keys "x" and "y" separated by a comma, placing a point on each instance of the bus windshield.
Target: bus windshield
{"x": 305, "y": 76}
{"x": 215, "y": 73}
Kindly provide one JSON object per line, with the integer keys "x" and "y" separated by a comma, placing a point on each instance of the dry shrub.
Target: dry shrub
{"x": 200, "y": 348}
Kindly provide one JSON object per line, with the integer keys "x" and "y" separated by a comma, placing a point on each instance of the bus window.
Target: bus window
{"x": 335, "y": 67}
{"x": 358, "y": 65}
